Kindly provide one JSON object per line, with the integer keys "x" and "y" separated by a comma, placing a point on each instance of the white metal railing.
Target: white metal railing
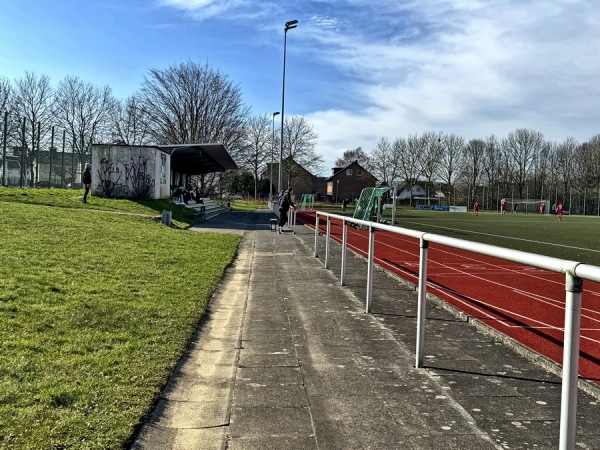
{"x": 574, "y": 272}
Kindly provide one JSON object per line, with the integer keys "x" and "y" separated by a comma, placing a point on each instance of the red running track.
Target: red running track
{"x": 523, "y": 302}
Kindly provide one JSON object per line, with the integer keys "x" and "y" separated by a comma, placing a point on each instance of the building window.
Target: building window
{"x": 359, "y": 172}
{"x": 348, "y": 171}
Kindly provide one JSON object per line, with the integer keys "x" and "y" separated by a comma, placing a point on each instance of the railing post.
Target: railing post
{"x": 327, "y": 236}
{"x": 344, "y": 245}
{"x": 370, "y": 258}
{"x": 568, "y": 403}
{"x": 421, "y": 302}
{"x": 316, "y": 254}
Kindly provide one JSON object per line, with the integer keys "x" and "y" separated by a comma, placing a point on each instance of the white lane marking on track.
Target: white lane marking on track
{"x": 527, "y": 294}
{"x": 518, "y": 270}
{"x": 546, "y": 300}
{"x": 541, "y": 326}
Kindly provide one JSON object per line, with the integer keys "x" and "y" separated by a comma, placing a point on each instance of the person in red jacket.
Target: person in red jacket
{"x": 476, "y": 207}
{"x": 559, "y": 210}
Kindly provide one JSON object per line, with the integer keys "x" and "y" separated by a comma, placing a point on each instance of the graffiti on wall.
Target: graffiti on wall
{"x": 125, "y": 177}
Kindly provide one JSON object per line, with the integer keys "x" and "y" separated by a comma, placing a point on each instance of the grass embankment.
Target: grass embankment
{"x": 95, "y": 310}
{"x": 247, "y": 205}
{"x": 68, "y": 198}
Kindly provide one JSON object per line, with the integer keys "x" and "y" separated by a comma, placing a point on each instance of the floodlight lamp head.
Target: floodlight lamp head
{"x": 291, "y": 24}
{"x": 276, "y": 113}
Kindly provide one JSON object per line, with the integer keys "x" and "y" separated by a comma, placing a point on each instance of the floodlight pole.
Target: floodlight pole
{"x": 288, "y": 26}
{"x": 272, "y": 151}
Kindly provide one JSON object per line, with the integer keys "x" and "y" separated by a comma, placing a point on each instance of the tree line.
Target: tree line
{"x": 191, "y": 103}
{"x": 185, "y": 103}
{"x": 522, "y": 165}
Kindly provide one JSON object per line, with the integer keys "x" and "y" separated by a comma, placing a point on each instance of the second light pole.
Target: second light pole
{"x": 288, "y": 26}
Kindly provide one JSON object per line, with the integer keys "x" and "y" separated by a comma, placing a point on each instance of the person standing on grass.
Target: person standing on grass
{"x": 542, "y": 208}
{"x": 285, "y": 203}
{"x": 86, "y": 179}
{"x": 502, "y": 206}
{"x": 476, "y": 207}
{"x": 559, "y": 211}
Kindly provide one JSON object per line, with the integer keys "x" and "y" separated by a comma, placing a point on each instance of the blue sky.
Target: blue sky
{"x": 357, "y": 70}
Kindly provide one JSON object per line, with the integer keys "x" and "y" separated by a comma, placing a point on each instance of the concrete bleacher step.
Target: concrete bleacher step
{"x": 211, "y": 209}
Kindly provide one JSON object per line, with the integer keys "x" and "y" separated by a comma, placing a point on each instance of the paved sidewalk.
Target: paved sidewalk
{"x": 287, "y": 359}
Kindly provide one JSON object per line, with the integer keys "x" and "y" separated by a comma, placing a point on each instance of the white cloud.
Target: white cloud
{"x": 232, "y": 9}
{"x": 469, "y": 67}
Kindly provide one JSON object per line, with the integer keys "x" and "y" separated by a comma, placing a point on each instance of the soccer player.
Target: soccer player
{"x": 475, "y": 207}
{"x": 502, "y": 206}
{"x": 559, "y": 211}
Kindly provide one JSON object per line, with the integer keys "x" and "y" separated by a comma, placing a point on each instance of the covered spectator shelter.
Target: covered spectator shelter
{"x": 141, "y": 171}
{"x": 198, "y": 159}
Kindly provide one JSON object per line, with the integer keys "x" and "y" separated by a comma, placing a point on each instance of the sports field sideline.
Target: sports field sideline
{"x": 522, "y": 302}
{"x": 575, "y": 238}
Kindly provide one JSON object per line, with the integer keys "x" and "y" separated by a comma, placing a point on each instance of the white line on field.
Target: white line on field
{"x": 504, "y": 237}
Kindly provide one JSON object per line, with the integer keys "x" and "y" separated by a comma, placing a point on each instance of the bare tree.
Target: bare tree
{"x": 350, "y": 156}
{"x": 33, "y": 102}
{"x": 5, "y": 94}
{"x": 553, "y": 170}
{"x": 410, "y": 153}
{"x": 84, "y": 110}
{"x": 521, "y": 146}
{"x": 299, "y": 141}
{"x": 542, "y": 168}
{"x": 257, "y": 147}
{"x": 129, "y": 123}
{"x": 430, "y": 163}
{"x": 5, "y": 135}
{"x": 492, "y": 165}
{"x": 565, "y": 165}
{"x": 451, "y": 160}
{"x": 588, "y": 162}
{"x": 380, "y": 161}
{"x": 191, "y": 104}
{"x": 474, "y": 152}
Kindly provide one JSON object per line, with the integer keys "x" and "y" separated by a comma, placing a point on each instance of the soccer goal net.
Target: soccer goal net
{"x": 527, "y": 206}
{"x": 307, "y": 202}
{"x": 366, "y": 207}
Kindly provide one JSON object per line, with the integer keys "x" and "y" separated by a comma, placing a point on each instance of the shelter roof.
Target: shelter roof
{"x": 198, "y": 159}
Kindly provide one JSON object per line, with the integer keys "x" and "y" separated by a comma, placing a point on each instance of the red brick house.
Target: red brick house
{"x": 348, "y": 182}
{"x": 302, "y": 181}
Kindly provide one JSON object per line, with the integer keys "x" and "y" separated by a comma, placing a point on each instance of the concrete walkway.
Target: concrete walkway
{"x": 286, "y": 358}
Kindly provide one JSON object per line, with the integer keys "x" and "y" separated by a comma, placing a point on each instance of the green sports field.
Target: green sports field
{"x": 575, "y": 238}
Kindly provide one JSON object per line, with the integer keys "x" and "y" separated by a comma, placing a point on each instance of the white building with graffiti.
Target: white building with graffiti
{"x": 146, "y": 171}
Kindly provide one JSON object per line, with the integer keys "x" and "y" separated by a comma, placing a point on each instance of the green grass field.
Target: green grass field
{"x": 575, "y": 238}
{"x": 96, "y": 308}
